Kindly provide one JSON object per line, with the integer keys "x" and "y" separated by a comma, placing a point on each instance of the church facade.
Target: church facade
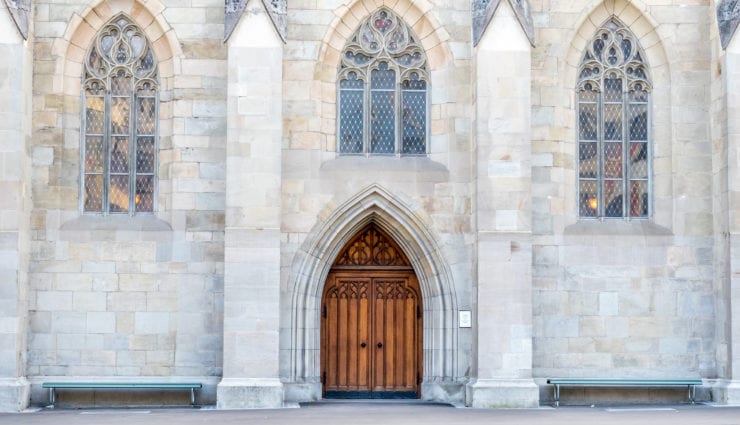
{"x": 435, "y": 199}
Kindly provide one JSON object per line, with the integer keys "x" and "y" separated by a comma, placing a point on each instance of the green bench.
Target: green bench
{"x": 579, "y": 382}
{"x": 53, "y": 386}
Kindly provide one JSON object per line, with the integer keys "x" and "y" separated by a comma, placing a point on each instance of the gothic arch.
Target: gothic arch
{"x": 71, "y": 48}
{"x": 417, "y": 14}
{"x": 313, "y": 261}
{"x": 646, "y": 31}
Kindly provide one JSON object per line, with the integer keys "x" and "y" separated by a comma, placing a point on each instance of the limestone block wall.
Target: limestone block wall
{"x": 503, "y": 288}
{"x": 316, "y": 182}
{"x": 15, "y": 120}
{"x": 625, "y": 298}
{"x": 124, "y": 296}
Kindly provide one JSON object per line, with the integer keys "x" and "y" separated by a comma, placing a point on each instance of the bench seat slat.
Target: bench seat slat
{"x": 625, "y": 382}
{"x": 120, "y": 385}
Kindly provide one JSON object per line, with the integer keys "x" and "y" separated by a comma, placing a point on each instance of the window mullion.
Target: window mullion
{"x": 600, "y": 211}
{"x": 398, "y": 113}
{"x": 366, "y": 111}
{"x": 106, "y": 148}
{"x": 132, "y": 150}
{"x": 625, "y": 152}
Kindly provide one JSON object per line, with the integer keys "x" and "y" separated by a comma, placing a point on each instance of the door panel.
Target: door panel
{"x": 381, "y": 310}
{"x": 346, "y": 305}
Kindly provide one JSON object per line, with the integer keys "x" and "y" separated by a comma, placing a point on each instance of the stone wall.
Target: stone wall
{"x": 15, "y": 89}
{"x": 119, "y": 296}
{"x": 252, "y": 192}
{"x": 625, "y": 298}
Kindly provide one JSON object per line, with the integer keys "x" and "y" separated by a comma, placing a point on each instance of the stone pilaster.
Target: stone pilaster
{"x": 252, "y": 240}
{"x": 502, "y": 373}
{"x": 15, "y": 90}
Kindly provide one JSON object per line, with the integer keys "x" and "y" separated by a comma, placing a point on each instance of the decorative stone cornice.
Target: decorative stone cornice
{"x": 728, "y": 17}
{"x": 483, "y": 11}
{"x": 277, "y": 9}
{"x": 19, "y": 10}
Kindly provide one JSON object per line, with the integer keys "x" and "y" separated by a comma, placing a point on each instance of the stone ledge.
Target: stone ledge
{"x": 100, "y": 227}
{"x": 616, "y": 227}
{"x": 15, "y": 394}
{"x": 389, "y": 163}
{"x": 502, "y": 393}
{"x": 249, "y": 393}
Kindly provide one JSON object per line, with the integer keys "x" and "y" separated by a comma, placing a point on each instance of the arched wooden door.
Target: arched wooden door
{"x": 371, "y": 322}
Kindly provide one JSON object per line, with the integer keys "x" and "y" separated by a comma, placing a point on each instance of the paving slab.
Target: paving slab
{"x": 384, "y": 413}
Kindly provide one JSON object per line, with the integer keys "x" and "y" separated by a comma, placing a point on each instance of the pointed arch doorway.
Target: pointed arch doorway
{"x": 371, "y": 327}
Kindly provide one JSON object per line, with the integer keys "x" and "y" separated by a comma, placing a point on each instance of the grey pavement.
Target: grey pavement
{"x": 385, "y": 413}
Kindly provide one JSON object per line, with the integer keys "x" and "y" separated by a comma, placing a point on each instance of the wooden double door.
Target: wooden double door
{"x": 371, "y": 334}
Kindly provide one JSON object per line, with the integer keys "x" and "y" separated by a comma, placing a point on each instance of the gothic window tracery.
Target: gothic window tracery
{"x": 383, "y": 90}
{"x": 613, "y": 97}
{"x": 119, "y": 122}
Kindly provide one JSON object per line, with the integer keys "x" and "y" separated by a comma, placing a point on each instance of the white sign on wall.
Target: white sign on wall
{"x": 466, "y": 319}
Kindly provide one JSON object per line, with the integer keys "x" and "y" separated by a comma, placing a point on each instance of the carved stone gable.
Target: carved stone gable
{"x": 728, "y": 17}
{"x": 276, "y": 9}
{"x": 19, "y": 10}
{"x": 371, "y": 248}
{"x": 483, "y": 11}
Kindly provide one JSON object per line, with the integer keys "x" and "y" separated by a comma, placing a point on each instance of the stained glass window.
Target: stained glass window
{"x": 119, "y": 152}
{"x": 613, "y": 95}
{"x": 383, "y": 94}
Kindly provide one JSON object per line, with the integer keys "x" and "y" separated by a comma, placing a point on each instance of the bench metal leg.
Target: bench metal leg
{"x": 692, "y": 394}
{"x": 51, "y": 397}
{"x": 557, "y": 395}
{"x": 192, "y": 397}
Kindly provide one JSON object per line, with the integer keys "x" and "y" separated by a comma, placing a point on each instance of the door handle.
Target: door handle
{"x": 380, "y": 345}
{"x": 363, "y": 345}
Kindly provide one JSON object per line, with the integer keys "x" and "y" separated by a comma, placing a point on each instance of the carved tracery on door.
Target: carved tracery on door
{"x": 371, "y": 322}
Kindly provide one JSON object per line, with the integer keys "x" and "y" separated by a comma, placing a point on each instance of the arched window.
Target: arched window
{"x": 614, "y": 152}
{"x": 119, "y": 123}
{"x": 383, "y": 90}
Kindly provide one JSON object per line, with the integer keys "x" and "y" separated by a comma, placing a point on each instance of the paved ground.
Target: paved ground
{"x": 350, "y": 413}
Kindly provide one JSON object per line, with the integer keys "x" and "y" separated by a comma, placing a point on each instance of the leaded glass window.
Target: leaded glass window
{"x": 383, "y": 93}
{"x": 119, "y": 152}
{"x": 613, "y": 96}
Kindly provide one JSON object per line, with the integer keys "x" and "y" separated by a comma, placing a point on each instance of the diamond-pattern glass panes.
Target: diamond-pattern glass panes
{"x": 588, "y": 160}
{"x": 120, "y": 115}
{"x": 144, "y": 198}
{"x": 145, "y": 118}
{"x": 588, "y": 198}
{"x": 118, "y": 194}
{"x": 383, "y": 110}
{"x": 120, "y": 121}
{"x": 119, "y": 155}
{"x": 94, "y": 115}
{"x": 613, "y": 126}
{"x": 613, "y": 199}
{"x": 145, "y": 155}
{"x": 414, "y": 115}
{"x": 351, "y": 114}
{"x": 94, "y": 153}
{"x": 613, "y": 160}
{"x": 587, "y": 121}
{"x": 639, "y": 198}
{"x": 93, "y": 192}
{"x": 382, "y": 94}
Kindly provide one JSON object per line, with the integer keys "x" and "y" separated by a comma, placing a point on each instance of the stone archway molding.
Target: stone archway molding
{"x": 311, "y": 266}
